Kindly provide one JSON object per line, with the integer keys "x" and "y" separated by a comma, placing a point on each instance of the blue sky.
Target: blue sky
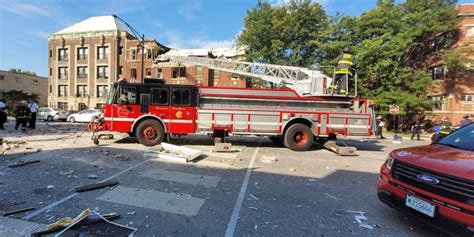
{"x": 25, "y": 25}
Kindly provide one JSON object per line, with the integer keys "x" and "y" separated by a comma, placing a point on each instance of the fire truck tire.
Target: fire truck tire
{"x": 298, "y": 137}
{"x": 150, "y": 132}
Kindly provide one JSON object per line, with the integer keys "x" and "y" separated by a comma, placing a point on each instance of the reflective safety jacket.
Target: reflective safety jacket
{"x": 344, "y": 62}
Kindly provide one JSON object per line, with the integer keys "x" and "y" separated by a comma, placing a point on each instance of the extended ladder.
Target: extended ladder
{"x": 304, "y": 81}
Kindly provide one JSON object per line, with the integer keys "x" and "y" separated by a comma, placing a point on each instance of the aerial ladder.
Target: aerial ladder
{"x": 304, "y": 81}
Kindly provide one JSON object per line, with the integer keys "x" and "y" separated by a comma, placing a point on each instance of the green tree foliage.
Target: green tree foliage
{"x": 13, "y": 97}
{"x": 19, "y": 71}
{"x": 289, "y": 34}
{"x": 382, "y": 39}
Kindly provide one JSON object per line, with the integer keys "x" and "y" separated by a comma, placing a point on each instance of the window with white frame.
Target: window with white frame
{"x": 440, "y": 102}
{"x": 82, "y": 72}
{"x": 82, "y": 91}
{"x": 102, "y": 52}
{"x": 62, "y": 105}
{"x": 82, "y": 53}
{"x": 102, "y": 72}
{"x": 467, "y": 98}
{"x": 62, "y": 91}
{"x": 438, "y": 72}
{"x": 63, "y": 72}
{"x": 63, "y": 54}
{"x": 101, "y": 91}
{"x": 198, "y": 71}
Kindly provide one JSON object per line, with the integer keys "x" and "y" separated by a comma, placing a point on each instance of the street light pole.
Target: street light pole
{"x": 143, "y": 56}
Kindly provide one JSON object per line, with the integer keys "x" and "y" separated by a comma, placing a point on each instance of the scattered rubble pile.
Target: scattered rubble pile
{"x": 168, "y": 151}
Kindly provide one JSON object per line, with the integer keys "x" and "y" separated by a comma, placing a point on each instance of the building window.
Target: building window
{"x": 82, "y": 91}
{"x": 50, "y": 89}
{"x": 82, "y": 72}
{"x": 133, "y": 73}
{"x": 121, "y": 70}
{"x": 149, "y": 53}
{"x": 159, "y": 73}
{"x": 148, "y": 72}
{"x": 102, "y": 52}
{"x": 178, "y": 72}
{"x": 62, "y": 105}
{"x": 18, "y": 80}
{"x": 2, "y": 78}
{"x": 50, "y": 53}
{"x": 101, "y": 91}
{"x": 100, "y": 106}
{"x": 63, "y": 54}
{"x": 102, "y": 72}
{"x": 217, "y": 74}
{"x": 234, "y": 77}
{"x": 440, "y": 102}
{"x": 198, "y": 71}
{"x": 438, "y": 72}
{"x": 134, "y": 54}
{"x": 50, "y": 71}
{"x": 467, "y": 98}
{"x": 82, "y": 106}
{"x": 63, "y": 73}
{"x": 120, "y": 51}
{"x": 470, "y": 31}
{"x": 35, "y": 82}
{"x": 82, "y": 53}
{"x": 62, "y": 91}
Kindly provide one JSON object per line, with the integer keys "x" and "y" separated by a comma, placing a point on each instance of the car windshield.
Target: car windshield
{"x": 462, "y": 138}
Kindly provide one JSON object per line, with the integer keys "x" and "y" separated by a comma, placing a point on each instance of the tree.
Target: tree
{"x": 19, "y": 71}
{"x": 14, "y": 96}
{"x": 290, "y": 34}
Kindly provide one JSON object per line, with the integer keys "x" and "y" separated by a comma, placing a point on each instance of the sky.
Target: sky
{"x": 26, "y": 25}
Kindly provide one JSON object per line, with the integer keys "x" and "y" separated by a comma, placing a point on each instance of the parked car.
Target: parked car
{"x": 50, "y": 114}
{"x": 83, "y": 116}
{"x": 434, "y": 183}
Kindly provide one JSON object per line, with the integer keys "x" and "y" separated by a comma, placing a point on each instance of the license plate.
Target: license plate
{"x": 420, "y": 205}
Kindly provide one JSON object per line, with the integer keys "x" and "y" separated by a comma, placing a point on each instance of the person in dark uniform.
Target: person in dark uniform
{"x": 416, "y": 130}
{"x": 345, "y": 61}
{"x": 22, "y": 114}
{"x": 3, "y": 113}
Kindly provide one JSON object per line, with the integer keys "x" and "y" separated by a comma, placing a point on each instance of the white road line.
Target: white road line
{"x": 238, "y": 205}
{"x": 54, "y": 204}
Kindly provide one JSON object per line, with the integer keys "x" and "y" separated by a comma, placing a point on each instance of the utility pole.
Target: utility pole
{"x": 143, "y": 56}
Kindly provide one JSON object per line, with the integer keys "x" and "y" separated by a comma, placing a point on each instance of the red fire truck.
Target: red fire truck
{"x": 296, "y": 116}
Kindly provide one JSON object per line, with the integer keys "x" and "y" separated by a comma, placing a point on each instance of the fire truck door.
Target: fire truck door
{"x": 126, "y": 107}
{"x": 182, "y": 112}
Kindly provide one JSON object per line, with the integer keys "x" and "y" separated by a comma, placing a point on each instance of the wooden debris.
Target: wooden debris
{"x": 16, "y": 211}
{"x": 90, "y": 187}
{"x": 340, "y": 150}
{"x": 23, "y": 163}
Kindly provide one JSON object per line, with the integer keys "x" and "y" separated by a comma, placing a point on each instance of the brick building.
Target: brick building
{"x": 85, "y": 58}
{"x": 454, "y": 96}
{"x": 177, "y": 73}
{"x": 26, "y": 83}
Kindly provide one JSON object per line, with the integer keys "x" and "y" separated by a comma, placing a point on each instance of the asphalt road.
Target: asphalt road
{"x": 260, "y": 190}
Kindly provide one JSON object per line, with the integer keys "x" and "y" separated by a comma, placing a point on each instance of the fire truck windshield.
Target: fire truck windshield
{"x": 110, "y": 96}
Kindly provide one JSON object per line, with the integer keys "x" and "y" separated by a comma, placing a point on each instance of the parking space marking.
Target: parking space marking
{"x": 180, "y": 177}
{"x": 238, "y": 204}
{"x": 202, "y": 163}
{"x": 182, "y": 204}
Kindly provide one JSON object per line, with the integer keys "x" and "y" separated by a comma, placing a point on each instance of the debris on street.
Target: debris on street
{"x": 99, "y": 185}
{"x": 361, "y": 219}
{"x": 23, "y": 163}
{"x": 7, "y": 213}
{"x": 174, "y": 153}
{"x": 268, "y": 159}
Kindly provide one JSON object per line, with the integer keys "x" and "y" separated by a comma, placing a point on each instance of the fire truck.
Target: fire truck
{"x": 295, "y": 116}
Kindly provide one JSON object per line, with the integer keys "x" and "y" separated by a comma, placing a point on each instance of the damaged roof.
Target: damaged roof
{"x": 217, "y": 52}
{"x": 97, "y": 23}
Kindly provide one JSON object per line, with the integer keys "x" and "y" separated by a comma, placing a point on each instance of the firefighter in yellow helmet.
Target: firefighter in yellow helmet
{"x": 345, "y": 61}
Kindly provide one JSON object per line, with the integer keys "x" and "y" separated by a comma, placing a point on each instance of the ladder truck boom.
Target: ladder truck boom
{"x": 304, "y": 81}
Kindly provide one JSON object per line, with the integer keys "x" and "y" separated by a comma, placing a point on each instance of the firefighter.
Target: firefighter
{"x": 345, "y": 61}
{"x": 22, "y": 114}
{"x": 446, "y": 126}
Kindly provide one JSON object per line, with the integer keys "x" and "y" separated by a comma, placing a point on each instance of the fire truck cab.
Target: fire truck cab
{"x": 152, "y": 110}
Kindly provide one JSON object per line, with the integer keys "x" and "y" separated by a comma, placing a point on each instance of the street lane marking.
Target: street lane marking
{"x": 238, "y": 204}
{"x": 180, "y": 177}
{"x": 202, "y": 163}
{"x": 54, "y": 204}
{"x": 182, "y": 204}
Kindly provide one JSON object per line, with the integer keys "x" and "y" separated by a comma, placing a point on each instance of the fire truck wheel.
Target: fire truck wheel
{"x": 298, "y": 137}
{"x": 150, "y": 132}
